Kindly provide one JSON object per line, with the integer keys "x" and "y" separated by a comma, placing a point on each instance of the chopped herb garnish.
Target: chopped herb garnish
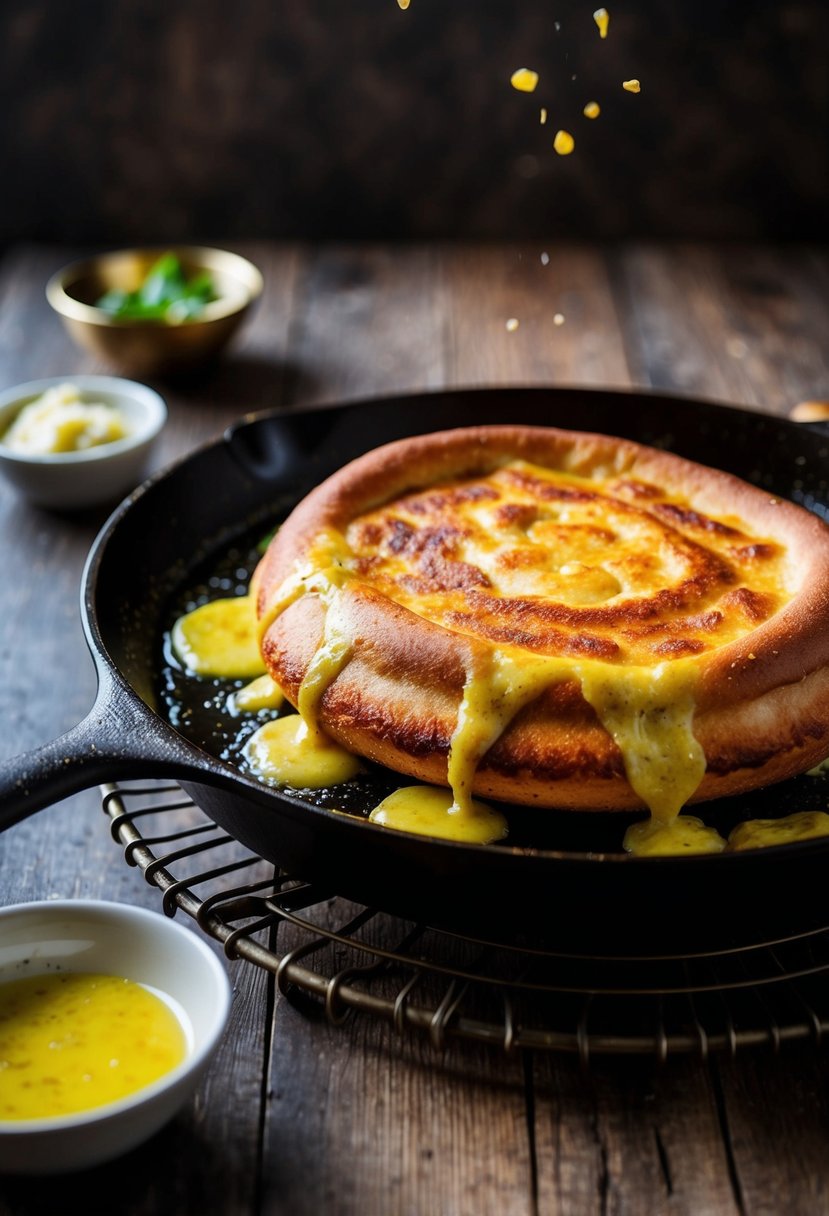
{"x": 165, "y": 295}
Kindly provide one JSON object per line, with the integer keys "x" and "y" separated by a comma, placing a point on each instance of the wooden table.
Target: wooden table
{"x": 298, "y": 1116}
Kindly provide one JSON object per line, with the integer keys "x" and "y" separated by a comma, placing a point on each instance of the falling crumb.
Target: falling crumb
{"x": 524, "y": 79}
{"x": 512, "y": 325}
{"x": 592, "y": 109}
{"x": 564, "y": 143}
{"x": 404, "y": 4}
{"x": 545, "y": 259}
{"x": 543, "y": 116}
{"x": 602, "y": 19}
{"x": 558, "y": 319}
{"x": 631, "y": 86}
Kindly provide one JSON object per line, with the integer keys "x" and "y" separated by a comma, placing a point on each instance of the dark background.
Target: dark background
{"x": 137, "y": 120}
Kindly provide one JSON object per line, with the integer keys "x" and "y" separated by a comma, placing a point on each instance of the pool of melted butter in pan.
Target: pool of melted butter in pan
{"x": 213, "y": 689}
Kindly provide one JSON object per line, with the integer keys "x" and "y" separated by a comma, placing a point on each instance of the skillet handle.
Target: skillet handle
{"x": 119, "y": 739}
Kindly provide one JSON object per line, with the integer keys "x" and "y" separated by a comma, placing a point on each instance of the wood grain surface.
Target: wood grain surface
{"x": 298, "y": 1116}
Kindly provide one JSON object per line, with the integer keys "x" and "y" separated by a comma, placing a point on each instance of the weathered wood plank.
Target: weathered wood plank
{"x": 742, "y": 325}
{"x": 485, "y": 287}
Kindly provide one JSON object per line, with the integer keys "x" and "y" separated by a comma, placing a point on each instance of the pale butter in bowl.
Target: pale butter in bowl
{"x": 109, "y": 1017}
{"x": 78, "y": 441}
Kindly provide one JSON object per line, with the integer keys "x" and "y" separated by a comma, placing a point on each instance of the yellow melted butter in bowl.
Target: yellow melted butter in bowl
{"x": 61, "y": 420}
{"x": 74, "y": 1041}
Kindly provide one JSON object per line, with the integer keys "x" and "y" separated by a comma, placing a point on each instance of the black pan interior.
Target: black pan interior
{"x": 558, "y": 874}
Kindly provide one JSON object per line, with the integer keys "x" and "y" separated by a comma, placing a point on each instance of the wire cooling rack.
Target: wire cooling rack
{"x": 348, "y": 959}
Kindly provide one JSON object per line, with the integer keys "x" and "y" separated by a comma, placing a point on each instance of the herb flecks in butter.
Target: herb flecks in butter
{"x": 683, "y": 835}
{"x": 761, "y": 833}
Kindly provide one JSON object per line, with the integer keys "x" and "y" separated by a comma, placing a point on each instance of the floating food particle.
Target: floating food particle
{"x": 558, "y": 319}
{"x": 631, "y": 86}
{"x": 545, "y": 259}
{"x": 512, "y": 325}
{"x": 564, "y": 143}
{"x": 524, "y": 79}
{"x": 602, "y": 19}
{"x": 543, "y": 116}
{"x": 404, "y": 4}
{"x": 592, "y": 109}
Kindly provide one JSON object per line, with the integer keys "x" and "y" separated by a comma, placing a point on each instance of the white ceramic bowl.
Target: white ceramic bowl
{"x": 148, "y": 948}
{"x": 106, "y": 473}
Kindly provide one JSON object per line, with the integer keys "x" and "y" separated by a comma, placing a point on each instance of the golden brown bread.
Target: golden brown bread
{"x": 556, "y": 545}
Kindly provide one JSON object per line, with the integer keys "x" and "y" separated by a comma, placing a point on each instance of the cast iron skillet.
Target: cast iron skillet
{"x": 575, "y": 894}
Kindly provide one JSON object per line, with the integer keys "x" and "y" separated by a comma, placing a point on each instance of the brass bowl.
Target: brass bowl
{"x": 149, "y": 347}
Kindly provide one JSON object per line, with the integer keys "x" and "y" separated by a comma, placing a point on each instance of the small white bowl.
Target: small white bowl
{"x": 101, "y": 474}
{"x": 146, "y": 947}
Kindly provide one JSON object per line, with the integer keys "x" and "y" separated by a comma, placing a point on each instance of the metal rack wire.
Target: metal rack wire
{"x": 346, "y": 958}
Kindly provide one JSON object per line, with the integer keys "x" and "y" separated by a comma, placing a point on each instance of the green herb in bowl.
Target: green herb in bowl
{"x": 166, "y": 294}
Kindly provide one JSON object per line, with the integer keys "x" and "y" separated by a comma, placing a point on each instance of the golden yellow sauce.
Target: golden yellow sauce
{"x": 685, "y": 834}
{"x": 760, "y": 833}
{"x": 73, "y": 1041}
{"x": 592, "y": 110}
{"x": 525, "y": 80}
{"x": 220, "y": 639}
{"x": 261, "y": 693}
{"x": 62, "y": 421}
{"x": 564, "y": 143}
{"x": 649, "y": 712}
{"x": 429, "y": 810}
{"x": 325, "y": 568}
{"x": 288, "y": 752}
{"x": 602, "y": 19}
{"x": 328, "y": 661}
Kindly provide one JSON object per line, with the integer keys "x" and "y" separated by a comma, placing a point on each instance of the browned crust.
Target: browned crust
{"x": 763, "y": 701}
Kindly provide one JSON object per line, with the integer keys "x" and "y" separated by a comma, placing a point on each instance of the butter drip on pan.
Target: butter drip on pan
{"x": 568, "y": 555}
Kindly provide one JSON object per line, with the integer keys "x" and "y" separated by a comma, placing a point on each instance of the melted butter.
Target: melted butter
{"x": 685, "y": 834}
{"x": 649, "y": 712}
{"x": 328, "y": 661}
{"x": 428, "y": 810}
{"x": 220, "y": 639}
{"x": 261, "y": 693}
{"x": 61, "y": 421}
{"x": 326, "y": 568}
{"x": 494, "y": 692}
{"x": 760, "y": 833}
{"x": 287, "y": 752}
{"x": 73, "y": 1041}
